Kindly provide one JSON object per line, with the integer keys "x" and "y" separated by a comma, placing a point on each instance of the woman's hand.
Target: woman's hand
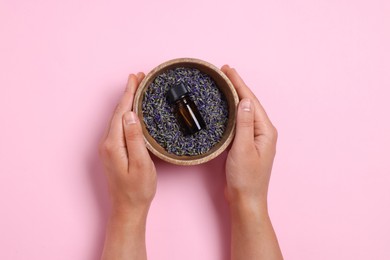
{"x": 131, "y": 179}
{"x": 248, "y": 171}
{"x": 249, "y": 162}
{"x": 130, "y": 171}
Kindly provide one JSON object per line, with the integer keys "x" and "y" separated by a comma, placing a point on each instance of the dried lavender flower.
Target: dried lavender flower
{"x": 160, "y": 120}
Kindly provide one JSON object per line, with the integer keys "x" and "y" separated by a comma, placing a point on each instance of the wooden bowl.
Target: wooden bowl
{"x": 225, "y": 86}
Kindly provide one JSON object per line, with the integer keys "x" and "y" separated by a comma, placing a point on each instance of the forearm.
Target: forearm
{"x": 253, "y": 236}
{"x": 125, "y": 237}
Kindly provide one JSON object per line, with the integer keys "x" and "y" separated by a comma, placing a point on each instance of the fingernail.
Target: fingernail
{"x": 130, "y": 118}
{"x": 246, "y": 105}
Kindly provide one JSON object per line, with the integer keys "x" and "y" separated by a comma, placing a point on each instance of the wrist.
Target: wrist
{"x": 126, "y": 208}
{"x": 246, "y": 209}
{"x": 129, "y": 217}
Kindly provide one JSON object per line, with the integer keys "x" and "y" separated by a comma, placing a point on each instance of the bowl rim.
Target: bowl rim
{"x": 199, "y": 159}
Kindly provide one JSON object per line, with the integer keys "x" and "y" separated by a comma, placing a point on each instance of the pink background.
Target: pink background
{"x": 320, "y": 68}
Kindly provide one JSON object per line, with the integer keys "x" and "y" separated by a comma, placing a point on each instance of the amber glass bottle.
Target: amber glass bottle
{"x": 187, "y": 113}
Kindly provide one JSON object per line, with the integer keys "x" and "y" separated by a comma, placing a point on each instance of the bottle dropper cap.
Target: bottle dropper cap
{"x": 176, "y": 92}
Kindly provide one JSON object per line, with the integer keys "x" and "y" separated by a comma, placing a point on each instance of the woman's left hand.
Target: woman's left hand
{"x": 129, "y": 169}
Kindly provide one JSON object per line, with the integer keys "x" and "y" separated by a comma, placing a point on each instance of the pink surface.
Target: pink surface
{"x": 321, "y": 69}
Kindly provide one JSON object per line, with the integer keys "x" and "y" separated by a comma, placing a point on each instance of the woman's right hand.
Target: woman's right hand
{"x": 250, "y": 159}
{"x": 248, "y": 170}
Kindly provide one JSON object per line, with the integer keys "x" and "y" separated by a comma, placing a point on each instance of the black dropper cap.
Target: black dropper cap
{"x": 176, "y": 92}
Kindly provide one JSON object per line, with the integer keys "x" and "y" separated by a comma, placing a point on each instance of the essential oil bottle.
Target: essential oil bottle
{"x": 186, "y": 111}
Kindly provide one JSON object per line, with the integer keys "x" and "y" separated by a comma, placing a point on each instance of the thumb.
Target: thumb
{"x": 245, "y": 122}
{"x": 136, "y": 149}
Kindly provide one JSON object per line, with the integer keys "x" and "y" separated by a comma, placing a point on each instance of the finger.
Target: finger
{"x": 225, "y": 68}
{"x": 136, "y": 149}
{"x": 245, "y": 123}
{"x": 129, "y": 88}
{"x": 262, "y": 121}
{"x": 140, "y": 76}
{"x": 242, "y": 89}
{"x": 116, "y": 129}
